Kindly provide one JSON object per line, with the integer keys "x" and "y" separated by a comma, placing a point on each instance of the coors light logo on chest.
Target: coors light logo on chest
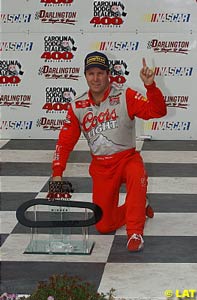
{"x": 94, "y": 124}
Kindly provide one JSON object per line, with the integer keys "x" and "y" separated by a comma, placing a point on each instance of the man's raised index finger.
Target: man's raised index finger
{"x": 144, "y": 62}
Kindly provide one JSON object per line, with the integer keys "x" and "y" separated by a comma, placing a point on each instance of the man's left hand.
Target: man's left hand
{"x": 146, "y": 74}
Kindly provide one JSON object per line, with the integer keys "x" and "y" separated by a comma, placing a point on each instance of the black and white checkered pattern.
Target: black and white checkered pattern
{"x": 169, "y": 260}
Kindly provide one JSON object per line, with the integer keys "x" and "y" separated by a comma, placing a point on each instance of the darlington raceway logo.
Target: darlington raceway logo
{"x": 58, "y": 48}
{"x": 51, "y": 124}
{"x": 116, "y": 46}
{"x": 108, "y": 13}
{"x": 15, "y": 100}
{"x": 174, "y": 71}
{"x": 71, "y": 73}
{"x": 15, "y": 125}
{"x": 56, "y": 2}
{"x": 15, "y": 18}
{"x": 159, "y": 46}
{"x": 118, "y": 71}
{"x": 177, "y": 101}
{"x": 22, "y": 46}
{"x": 167, "y": 18}
{"x": 54, "y": 17}
{"x": 58, "y": 99}
{"x": 167, "y": 125}
{"x": 10, "y": 72}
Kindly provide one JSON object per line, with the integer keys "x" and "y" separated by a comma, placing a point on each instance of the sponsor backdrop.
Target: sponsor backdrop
{"x": 43, "y": 44}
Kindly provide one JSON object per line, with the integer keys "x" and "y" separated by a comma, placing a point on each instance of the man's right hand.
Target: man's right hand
{"x": 146, "y": 74}
{"x": 59, "y": 189}
{"x": 57, "y": 178}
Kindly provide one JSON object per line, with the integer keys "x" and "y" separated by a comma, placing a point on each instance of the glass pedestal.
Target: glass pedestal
{"x": 59, "y": 240}
{"x": 58, "y": 225}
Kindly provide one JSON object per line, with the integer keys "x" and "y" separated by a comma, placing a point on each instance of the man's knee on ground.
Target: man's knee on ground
{"x": 102, "y": 228}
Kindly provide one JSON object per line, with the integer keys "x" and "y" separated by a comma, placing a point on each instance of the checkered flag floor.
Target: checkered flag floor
{"x": 169, "y": 259}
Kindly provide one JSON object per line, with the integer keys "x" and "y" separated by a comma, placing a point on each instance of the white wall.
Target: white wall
{"x": 164, "y": 32}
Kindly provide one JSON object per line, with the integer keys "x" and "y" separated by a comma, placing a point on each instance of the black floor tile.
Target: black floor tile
{"x": 80, "y": 157}
{"x": 158, "y": 249}
{"x": 29, "y": 144}
{"x": 3, "y": 237}
{"x": 11, "y": 201}
{"x": 171, "y": 170}
{"x": 170, "y": 145}
{"x": 44, "y": 169}
{"x": 25, "y": 169}
{"x": 43, "y": 144}
{"x": 22, "y": 277}
{"x": 173, "y": 203}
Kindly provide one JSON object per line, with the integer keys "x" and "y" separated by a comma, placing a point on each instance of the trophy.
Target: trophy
{"x": 59, "y": 225}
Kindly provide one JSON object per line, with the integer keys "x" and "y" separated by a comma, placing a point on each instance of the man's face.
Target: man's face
{"x": 97, "y": 80}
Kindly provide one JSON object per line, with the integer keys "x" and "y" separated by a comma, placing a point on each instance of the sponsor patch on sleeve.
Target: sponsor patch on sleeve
{"x": 139, "y": 96}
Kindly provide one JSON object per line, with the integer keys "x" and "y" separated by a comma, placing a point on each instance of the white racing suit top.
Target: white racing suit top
{"x": 109, "y": 127}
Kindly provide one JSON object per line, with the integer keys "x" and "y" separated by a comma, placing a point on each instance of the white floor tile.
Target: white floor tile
{"x": 169, "y": 224}
{"x": 148, "y": 280}
{"x": 77, "y": 169}
{"x": 8, "y": 221}
{"x": 139, "y": 145}
{"x": 24, "y": 156}
{"x": 170, "y": 156}
{"x": 19, "y": 242}
{"x": 168, "y": 185}
{"x": 22, "y": 183}
{"x": 3, "y": 142}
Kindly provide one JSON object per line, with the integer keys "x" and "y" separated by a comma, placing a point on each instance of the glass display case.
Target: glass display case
{"x": 59, "y": 225}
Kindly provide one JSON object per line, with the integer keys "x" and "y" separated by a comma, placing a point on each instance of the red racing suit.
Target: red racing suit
{"x": 110, "y": 132}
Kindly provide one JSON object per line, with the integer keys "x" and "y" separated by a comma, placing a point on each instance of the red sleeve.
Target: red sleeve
{"x": 146, "y": 108}
{"x": 68, "y": 137}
